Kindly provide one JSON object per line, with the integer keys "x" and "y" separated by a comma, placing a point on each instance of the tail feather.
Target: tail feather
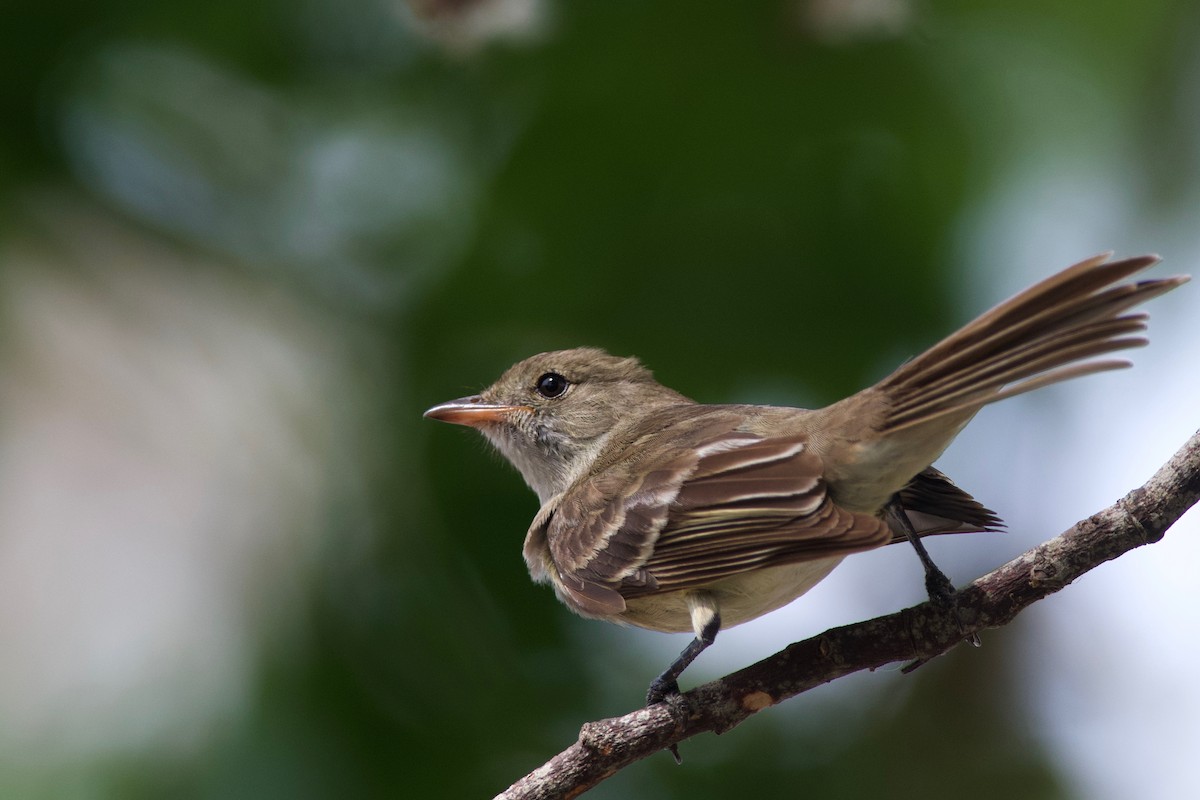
{"x": 934, "y": 504}
{"x": 1012, "y": 364}
{"x": 1038, "y": 337}
{"x": 1078, "y": 281}
{"x": 980, "y": 386}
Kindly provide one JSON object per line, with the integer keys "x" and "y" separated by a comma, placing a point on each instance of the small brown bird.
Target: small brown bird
{"x": 672, "y": 515}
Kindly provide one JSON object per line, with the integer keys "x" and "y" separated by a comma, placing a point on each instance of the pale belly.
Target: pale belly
{"x": 739, "y": 598}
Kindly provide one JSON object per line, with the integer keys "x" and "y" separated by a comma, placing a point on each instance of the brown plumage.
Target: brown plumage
{"x": 672, "y": 515}
{"x": 1034, "y": 339}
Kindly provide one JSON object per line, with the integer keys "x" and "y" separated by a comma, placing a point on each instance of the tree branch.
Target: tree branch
{"x": 915, "y": 634}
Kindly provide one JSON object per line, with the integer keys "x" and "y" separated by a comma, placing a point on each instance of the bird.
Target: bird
{"x": 664, "y": 513}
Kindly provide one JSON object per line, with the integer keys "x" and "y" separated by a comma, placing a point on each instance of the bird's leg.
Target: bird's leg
{"x": 665, "y": 687}
{"x": 937, "y": 585}
{"x": 939, "y": 588}
{"x": 668, "y": 682}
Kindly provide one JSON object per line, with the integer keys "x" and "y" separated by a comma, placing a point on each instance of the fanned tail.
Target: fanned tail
{"x": 1041, "y": 336}
{"x": 1053, "y": 331}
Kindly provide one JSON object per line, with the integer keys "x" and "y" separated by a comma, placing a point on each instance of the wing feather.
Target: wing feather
{"x": 712, "y": 502}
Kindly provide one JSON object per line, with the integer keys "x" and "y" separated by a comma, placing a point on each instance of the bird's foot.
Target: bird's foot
{"x": 663, "y": 690}
{"x": 939, "y": 588}
{"x": 943, "y": 594}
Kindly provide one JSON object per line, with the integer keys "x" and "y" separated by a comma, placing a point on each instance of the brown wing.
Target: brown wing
{"x": 757, "y": 505}
{"x": 715, "y": 503}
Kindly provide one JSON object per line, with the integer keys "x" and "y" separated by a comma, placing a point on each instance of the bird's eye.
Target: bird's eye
{"x": 552, "y": 385}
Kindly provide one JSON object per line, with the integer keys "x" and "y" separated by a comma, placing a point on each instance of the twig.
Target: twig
{"x": 915, "y": 634}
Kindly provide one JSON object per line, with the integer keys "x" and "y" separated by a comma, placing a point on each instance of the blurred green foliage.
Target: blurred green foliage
{"x": 734, "y": 195}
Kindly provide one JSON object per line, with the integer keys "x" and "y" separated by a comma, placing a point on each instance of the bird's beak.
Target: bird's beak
{"x": 473, "y": 411}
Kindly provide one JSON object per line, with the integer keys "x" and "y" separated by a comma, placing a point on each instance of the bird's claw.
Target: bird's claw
{"x": 667, "y": 691}
{"x": 939, "y": 588}
{"x": 661, "y": 690}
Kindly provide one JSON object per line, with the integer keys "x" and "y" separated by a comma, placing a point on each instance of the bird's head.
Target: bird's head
{"x": 551, "y": 414}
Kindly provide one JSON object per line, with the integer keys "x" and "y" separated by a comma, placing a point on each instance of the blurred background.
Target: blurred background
{"x": 244, "y": 245}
